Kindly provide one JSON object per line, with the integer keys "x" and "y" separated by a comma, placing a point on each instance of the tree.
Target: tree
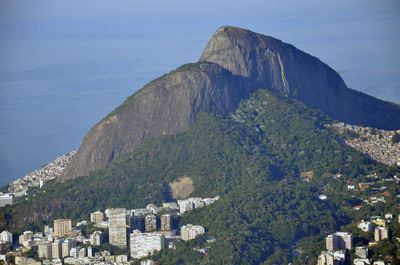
{"x": 395, "y": 138}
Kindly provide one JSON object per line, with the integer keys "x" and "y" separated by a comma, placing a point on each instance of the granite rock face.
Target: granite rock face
{"x": 167, "y": 105}
{"x": 273, "y": 64}
{"x": 235, "y": 63}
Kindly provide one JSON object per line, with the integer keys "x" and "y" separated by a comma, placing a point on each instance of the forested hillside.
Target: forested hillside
{"x": 253, "y": 158}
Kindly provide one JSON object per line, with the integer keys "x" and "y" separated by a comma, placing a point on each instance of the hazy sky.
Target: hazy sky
{"x": 65, "y": 64}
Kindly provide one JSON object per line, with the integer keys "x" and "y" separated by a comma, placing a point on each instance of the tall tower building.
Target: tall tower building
{"x": 66, "y": 247}
{"x": 62, "y": 227}
{"x": 165, "y": 222}
{"x": 117, "y": 227}
{"x": 150, "y": 223}
{"x": 44, "y": 250}
{"x": 96, "y": 217}
{"x": 56, "y": 248}
{"x": 339, "y": 240}
{"x": 381, "y": 233}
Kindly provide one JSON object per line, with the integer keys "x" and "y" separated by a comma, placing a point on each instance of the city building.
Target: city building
{"x": 189, "y": 231}
{"x": 143, "y": 244}
{"x": 82, "y": 253}
{"x": 331, "y": 258}
{"x": 62, "y": 227}
{"x": 74, "y": 252}
{"x": 362, "y": 252}
{"x": 66, "y": 247}
{"x": 361, "y": 262}
{"x": 339, "y": 240}
{"x": 381, "y": 233}
{"x": 165, "y": 222}
{"x": 117, "y": 227}
{"x": 96, "y": 238}
{"x": 185, "y": 205}
{"x": 45, "y": 250}
{"x": 74, "y": 232}
{"x": 170, "y": 205}
{"x": 365, "y": 226}
{"x": 388, "y": 216}
{"x": 96, "y": 217}
{"x": 90, "y": 252}
{"x": 56, "y": 249}
{"x": 4, "y": 247}
{"x": 27, "y": 236}
{"x": 120, "y": 259}
{"x": 150, "y": 223}
{"x": 48, "y": 230}
{"x": 6, "y": 236}
{"x": 6, "y": 199}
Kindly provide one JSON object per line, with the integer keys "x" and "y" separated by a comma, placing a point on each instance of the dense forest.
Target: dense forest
{"x": 254, "y": 159}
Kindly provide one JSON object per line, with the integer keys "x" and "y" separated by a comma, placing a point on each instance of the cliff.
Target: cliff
{"x": 235, "y": 63}
{"x": 167, "y": 105}
{"x": 273, "y": 64}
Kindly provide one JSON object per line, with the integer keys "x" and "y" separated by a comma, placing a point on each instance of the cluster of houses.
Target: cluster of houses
{"x": 38, "y": 177}
{"x": 376, "y": 143}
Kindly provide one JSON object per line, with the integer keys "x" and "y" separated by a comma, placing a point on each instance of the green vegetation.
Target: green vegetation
{"x": 349, "y": 134}
{"x": 253, "y": 159}
{"x": 395, "y": 138}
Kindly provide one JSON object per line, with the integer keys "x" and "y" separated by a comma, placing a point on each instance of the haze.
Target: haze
{"x": 65, "y": 64}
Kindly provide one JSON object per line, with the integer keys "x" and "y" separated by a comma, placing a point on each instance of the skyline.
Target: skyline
{"x": 65, "y": 65}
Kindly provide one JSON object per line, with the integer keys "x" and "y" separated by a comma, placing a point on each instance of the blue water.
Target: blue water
{"x": 65, "y": 65}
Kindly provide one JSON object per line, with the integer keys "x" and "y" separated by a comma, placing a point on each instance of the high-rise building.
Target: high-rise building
{"x": 62, "y": 227}
{"x": 339, "y": 240}
{"x": 150, "y": 223}
{"x": 66, "y": 247}
{"x": 189, "y": 231}
{"x": 96, "y": 217}
{"x": 165, "y": 222}
{"x": 56, "y": 249}
{"x": 143, "y": 244}
{"x": 89, "y": 252}
{"x": 117, "y": 227}
{"x": 6, "y": 236}
{"x": 96, "y": 238}
{"x": 381, "y": 233}
{"x": 44, "y": 250}
{"x": 27, "y": 236}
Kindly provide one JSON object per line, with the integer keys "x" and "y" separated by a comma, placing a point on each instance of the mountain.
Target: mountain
{"x": 273, "y": 64}
{"x": 167, "y": 105}
{"x": 253, "y": 158}
{"x": 235, "y": 63}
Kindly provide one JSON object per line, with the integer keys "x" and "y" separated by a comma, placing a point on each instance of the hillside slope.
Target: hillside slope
{"x": 235, "y": 63}
{"x": 253, "y": 158}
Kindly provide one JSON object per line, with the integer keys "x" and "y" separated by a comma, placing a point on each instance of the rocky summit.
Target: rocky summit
{"x": 235, "y": 63}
